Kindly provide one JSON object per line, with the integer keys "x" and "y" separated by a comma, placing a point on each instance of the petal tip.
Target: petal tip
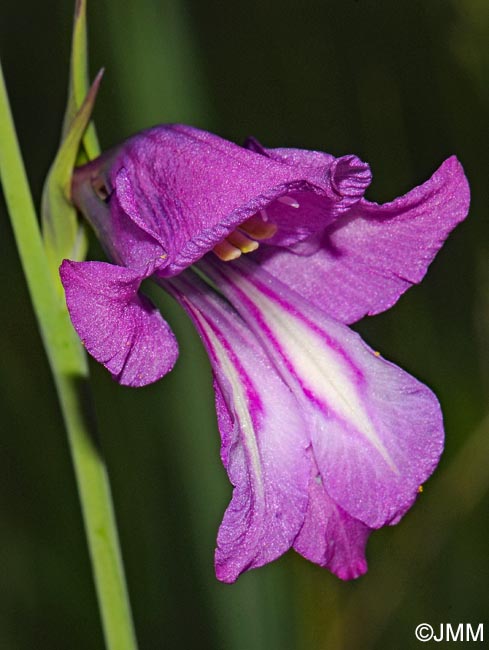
{"x": 350, "y": 176}
{"x": 227, "y": 572}
{"x": 457, "y": 170}
{"x": 352, "y": 571}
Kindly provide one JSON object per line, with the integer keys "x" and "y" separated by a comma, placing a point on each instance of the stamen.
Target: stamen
{"x": 239, "y": 242}
{"x": 288, "y": 200}
{"x": 420, "y": 489}
{"x": 258, "y": 229}
{"x": 226, "y": 251}
{"x": 242, "y": 242}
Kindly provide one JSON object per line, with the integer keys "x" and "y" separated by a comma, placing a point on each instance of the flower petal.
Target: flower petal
{"x": 370, "y": 257}
{"x": 127, "y": 242}
{"x": 376, "y": 432}
{"x": 348, "y": 176}
{"x": 263, "y": 441}
{"x": 118, "y": 326}
{"x": 187, "y": 190}
{"x": 329, "y": 536}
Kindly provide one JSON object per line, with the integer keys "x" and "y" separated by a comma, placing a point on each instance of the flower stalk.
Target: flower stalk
{"x": 69, "y": 366}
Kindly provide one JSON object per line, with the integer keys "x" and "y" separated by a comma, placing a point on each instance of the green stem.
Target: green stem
{"x": 68, "y": 364}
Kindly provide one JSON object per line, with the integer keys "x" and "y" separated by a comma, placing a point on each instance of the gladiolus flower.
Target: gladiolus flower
{"x": 272, "y": 253}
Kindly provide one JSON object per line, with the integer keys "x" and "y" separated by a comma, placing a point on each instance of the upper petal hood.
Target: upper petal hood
{"x": 187, "y": 189}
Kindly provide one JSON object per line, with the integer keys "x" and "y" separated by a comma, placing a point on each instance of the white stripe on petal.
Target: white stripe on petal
{"x": 319, "y": 367}
{"x": 239, "y": 398}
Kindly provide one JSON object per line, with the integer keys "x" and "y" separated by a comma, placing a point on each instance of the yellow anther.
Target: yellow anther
{"x": 377, "y": 353}
{"x": 258, "y": 229}
{"x": 226, "y": 251}
{"x": 244, "y": 238}
{"x": 420, "y": 489}
{"x": 241, "y": 241}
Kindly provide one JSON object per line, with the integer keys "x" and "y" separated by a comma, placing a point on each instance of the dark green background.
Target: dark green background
{"x": 403, "y": 85}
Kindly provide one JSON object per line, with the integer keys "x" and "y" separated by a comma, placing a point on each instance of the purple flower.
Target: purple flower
{"x": 322, "y": 438}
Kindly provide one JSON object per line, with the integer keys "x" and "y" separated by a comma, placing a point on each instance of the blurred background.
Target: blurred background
{"x": 401, "y": 84}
